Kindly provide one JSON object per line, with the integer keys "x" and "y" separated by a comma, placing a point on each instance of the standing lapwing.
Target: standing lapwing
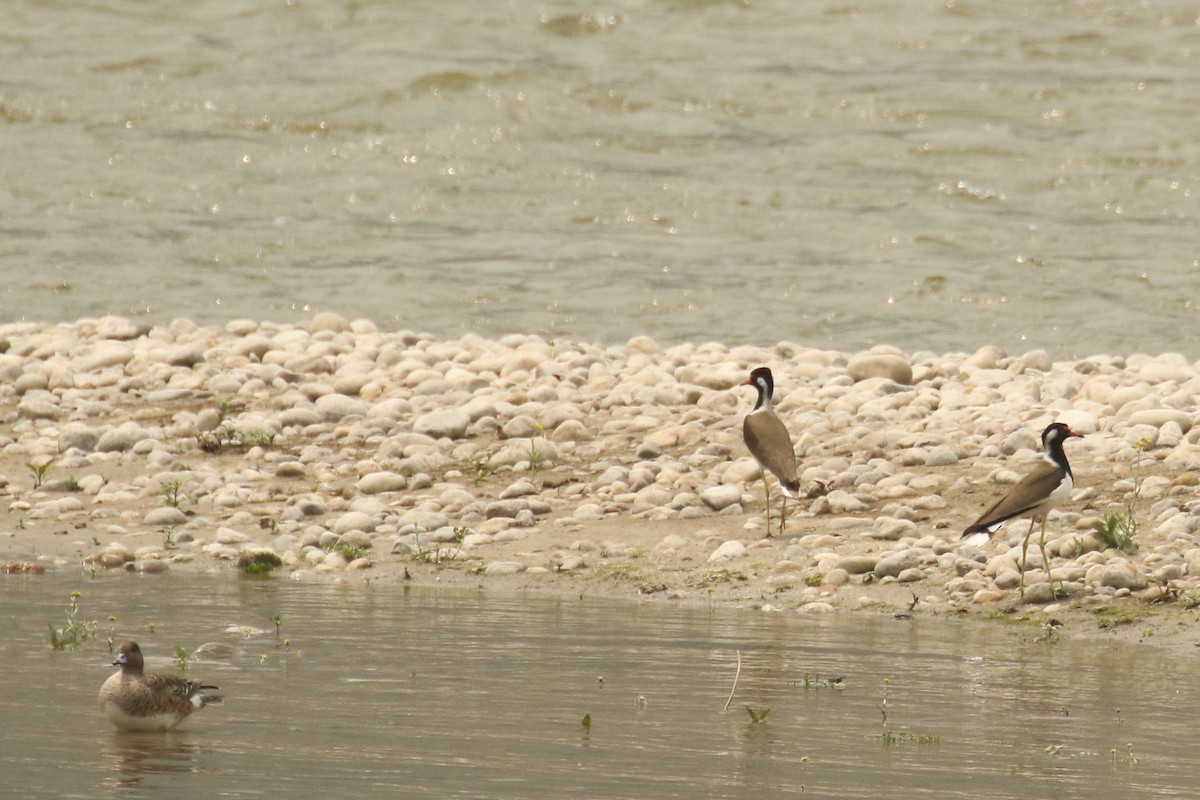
{"x": 1048, "y": 485}
{"x": 769, "y": 443}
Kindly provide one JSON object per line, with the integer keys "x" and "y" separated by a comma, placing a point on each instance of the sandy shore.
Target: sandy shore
{"x": 353, "y": 454}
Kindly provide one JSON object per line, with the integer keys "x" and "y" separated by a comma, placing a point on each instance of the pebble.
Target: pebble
{"x": 443, "y": 424}
{"x": 718, "y": 498}
{"x": 504, "y": 568}
{"x": 894, "y": 368}
{"x": 892, "y": 565}
{"x": 381, "y": 482}
{"x": 728, "y": 551}
{"x": 164, "y": 517}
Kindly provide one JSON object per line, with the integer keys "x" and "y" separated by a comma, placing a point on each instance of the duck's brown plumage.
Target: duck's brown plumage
{"x": 133, "y": 700}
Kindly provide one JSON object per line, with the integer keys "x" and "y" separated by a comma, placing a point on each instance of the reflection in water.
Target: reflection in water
{"x": 129, "y": 758}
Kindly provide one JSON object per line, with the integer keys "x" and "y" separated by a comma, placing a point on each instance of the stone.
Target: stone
{"x": 39, "y": 407}
{"x": 164, "y": 517}
{"x": 77, "y": 436}
{"x": 381, "y": 482}
{"x": 571, "y": 430}
{"x": 1161, "y": 416}
{"x": 1123, "y": 576}
{"x": 941, "y": 456}
{"x": 334, "y": 406}
{"x": 857, "y": 565}
{"x": 728, "y": 551}
{"x": 893, "y": 564}
{"x": 894, "y": 368}
{"x": 506, "y": 508}
{"x": 120, "y": 440}
{"x": 1038, "y": 594}
{"x": 229, "y": 536}
{"x": 443, "y": 424}
{"x": 104, "y": 356}
{"x": 891, "y": 529}
{"x": 842, "y": 502}
{"x": 355, "y": 520}
{"x": 721, "y": 496}
{"x": 504, "y": 568}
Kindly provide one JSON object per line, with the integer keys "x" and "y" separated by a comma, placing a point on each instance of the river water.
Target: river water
{"x": 381, "y": 692}
{"x": 934, "y": 175}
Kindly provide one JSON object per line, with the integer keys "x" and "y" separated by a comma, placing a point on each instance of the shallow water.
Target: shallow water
{"x": 383, "y": 691}
{"x": 932, "y": 175}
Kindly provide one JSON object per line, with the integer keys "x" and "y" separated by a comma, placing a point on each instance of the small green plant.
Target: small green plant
{"x": 1049, "y": 634}
{"x": 893, "y": 736}
{"x": 277, "y": 618}
{"x": 757, "y": 716}
{"x": 168, "y": 534}
{"x": 39, "y": 471}
{"x": 1119, "y": 530}
{"x": 224, "y": 435}
{"x": 477, "y": 466}
{"x": 181, "y": 658}
{"x": 352, "y": 551}
{"x": 73, "y": 484}
{"x": 537, "y": 458}
{"x": 890, "y": 735}
{"x": 815, "y": 681}
{"x": 76, "y": 631}
{"x": 437, "y": 554}
{"x": 173, "y": 492}
{"x": 257, "y": 438}
{"x": 259, "y": 562}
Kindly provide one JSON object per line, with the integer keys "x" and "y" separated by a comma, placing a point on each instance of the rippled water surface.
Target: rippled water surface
{"x": 935, "y": 175}
{"x": 385, "y": 692}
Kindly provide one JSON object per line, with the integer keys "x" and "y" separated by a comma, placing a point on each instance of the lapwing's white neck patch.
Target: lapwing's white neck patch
{"x": 764, "y": 394}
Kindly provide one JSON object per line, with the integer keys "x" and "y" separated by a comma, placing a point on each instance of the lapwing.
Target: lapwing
{"x": 1047, "y": 486}
{"x": 768, "y": 441}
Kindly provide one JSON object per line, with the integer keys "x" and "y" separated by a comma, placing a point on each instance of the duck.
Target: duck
{"x": 135, "y": 701}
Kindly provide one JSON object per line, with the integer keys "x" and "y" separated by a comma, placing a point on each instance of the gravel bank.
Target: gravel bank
{"x": 352, "y": 454}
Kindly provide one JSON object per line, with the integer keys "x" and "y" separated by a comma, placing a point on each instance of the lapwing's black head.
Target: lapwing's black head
{"x": 762, "y": 380}
{"x": 1056, "y": 433}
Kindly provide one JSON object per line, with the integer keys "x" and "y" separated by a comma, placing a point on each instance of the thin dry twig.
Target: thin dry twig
{"x": 736, "y": 675}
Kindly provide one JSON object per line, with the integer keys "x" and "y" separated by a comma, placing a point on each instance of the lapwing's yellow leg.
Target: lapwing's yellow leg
{"x": 767, "y": 492}
{"x": 1024, "y": 553}
{"x": 1045, "y": 560}
{"x": 782, "y": 513}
